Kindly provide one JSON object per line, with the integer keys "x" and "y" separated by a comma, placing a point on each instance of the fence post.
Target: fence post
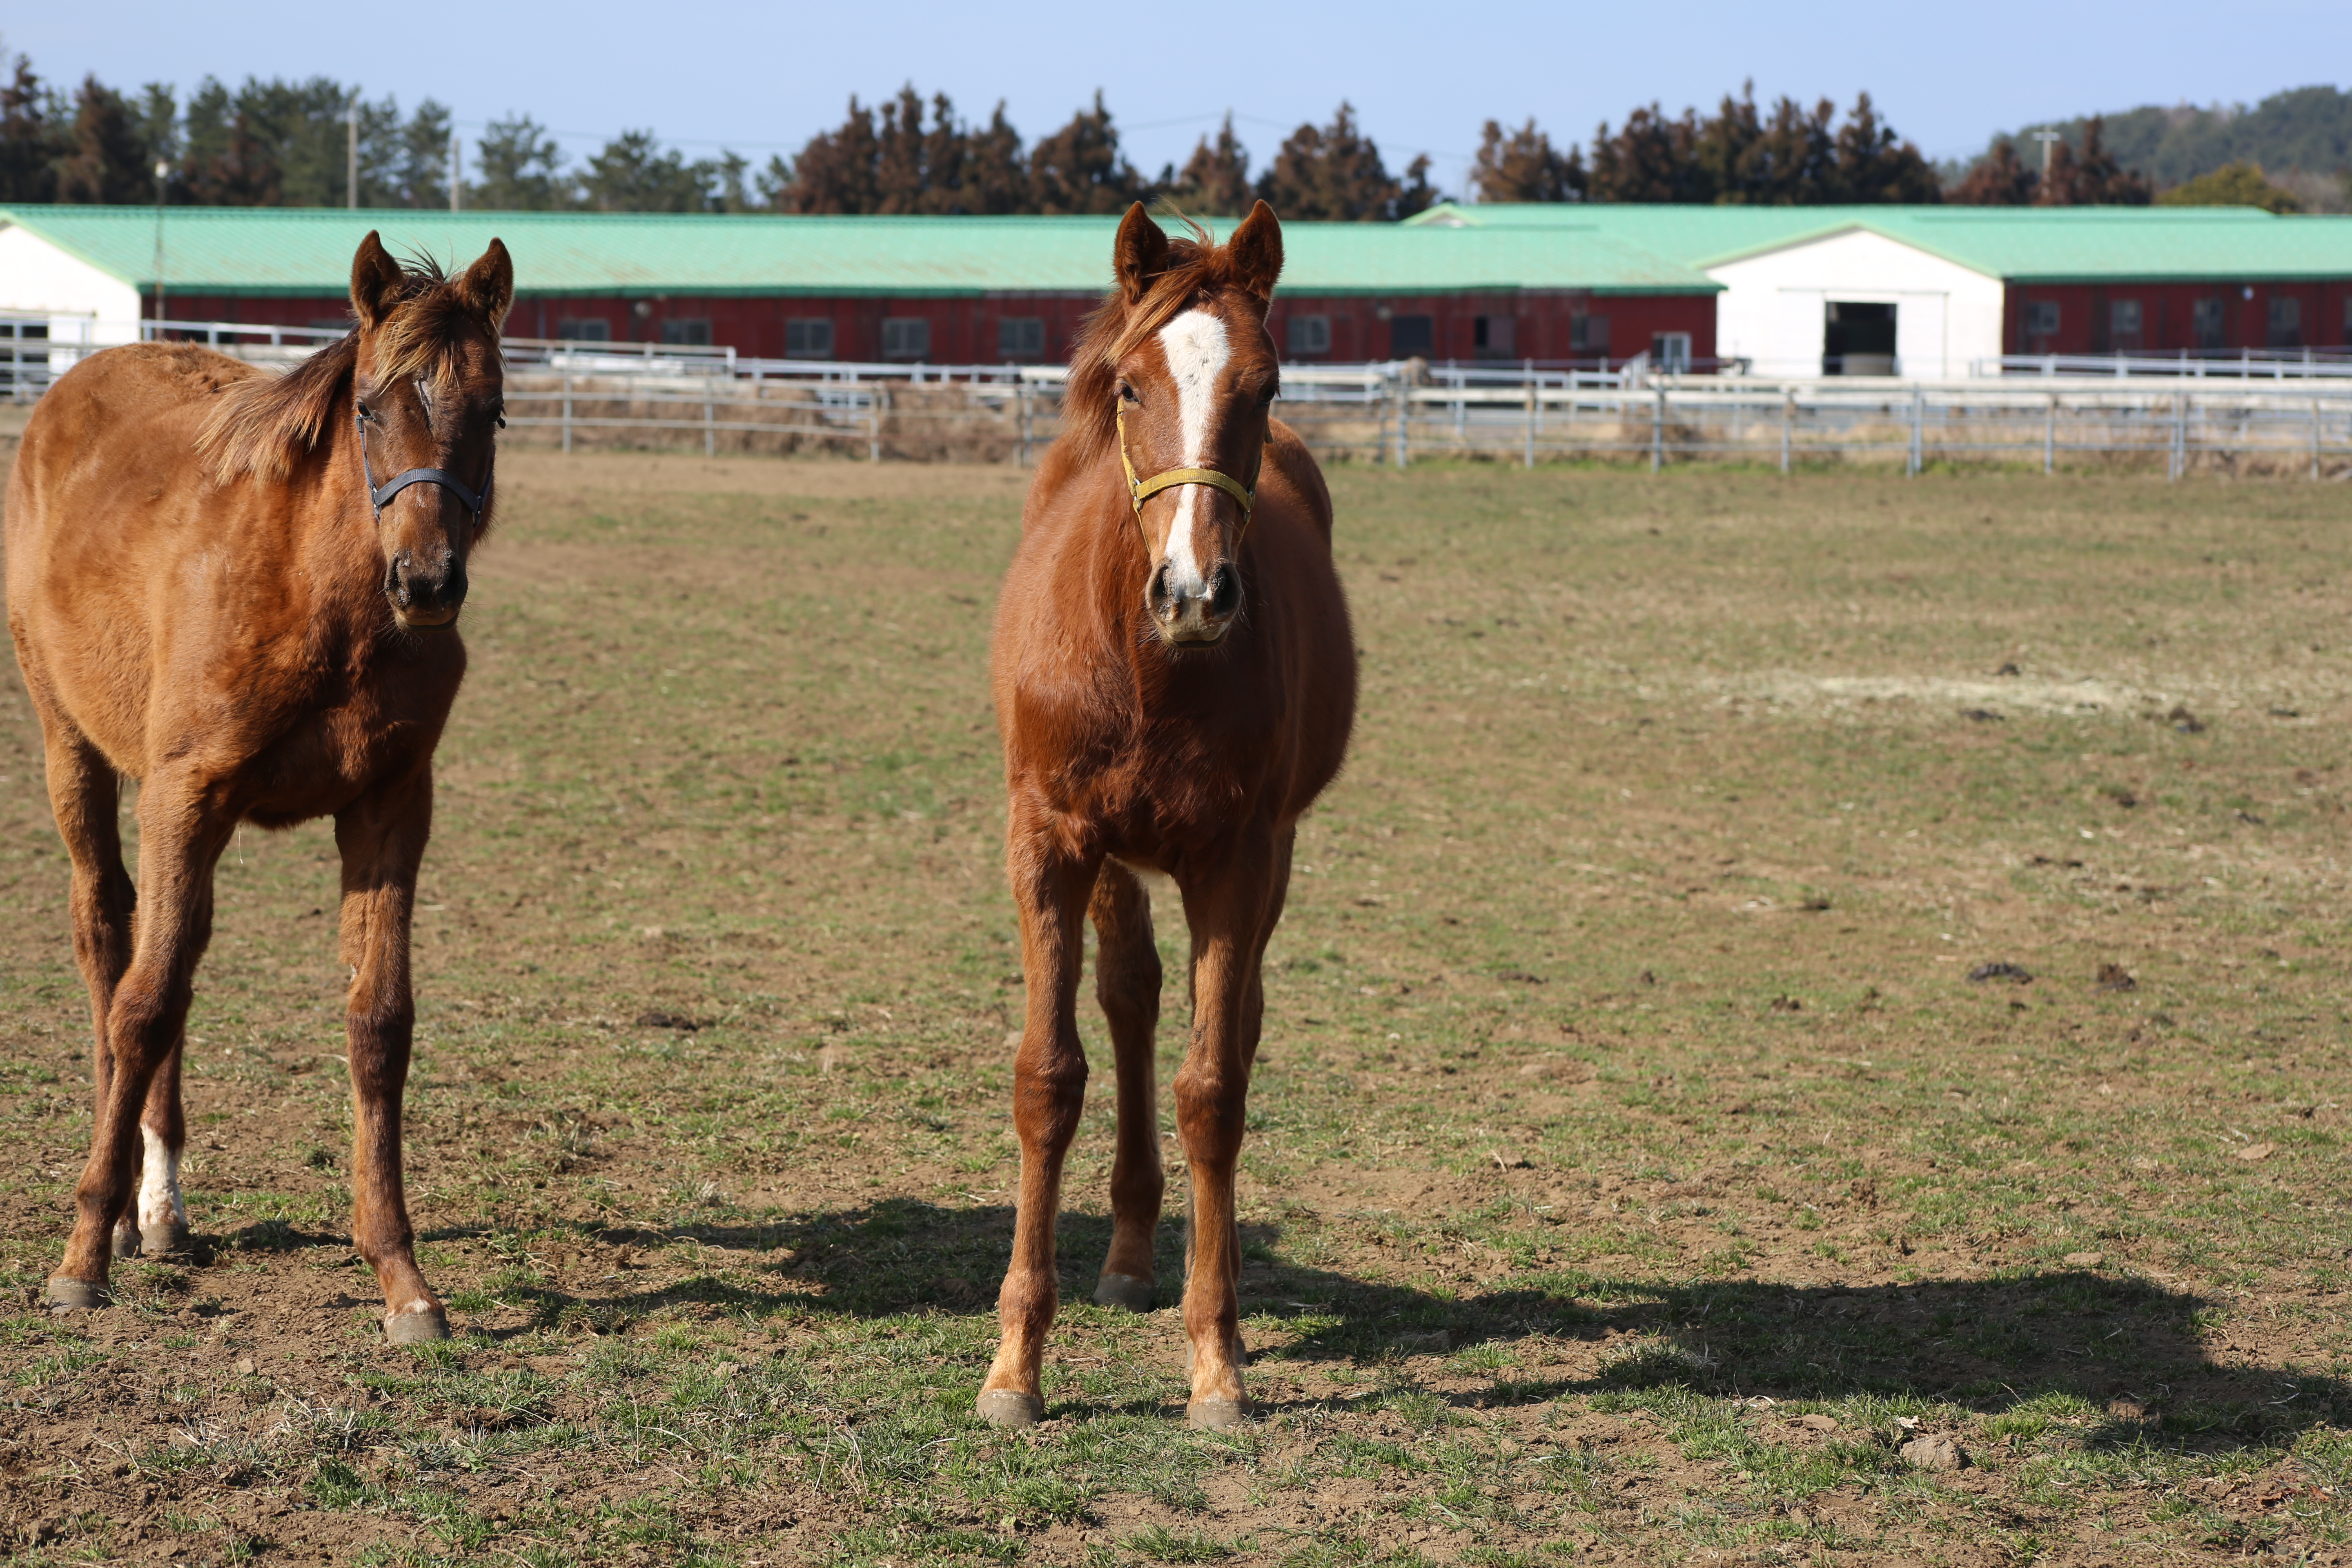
{"x": 709, "y": 431}
{"x": 1658, "y": 431}
{"x": 1021, "y": 400}
{"x": 2315, "y": 431}
{"x": 874, "y": 422}
{"x": 1529, "y": 460}
{"x": 2050, "y": 438}
{"x": 567, "y": 412}
{"x": 1404, "y": 417}
{"x": 2180, "y": 436}
{"x": 1788, "y": 419}
{"x": 1918, "y": 419}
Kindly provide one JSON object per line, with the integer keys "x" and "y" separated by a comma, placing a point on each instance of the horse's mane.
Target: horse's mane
{"x": 1197, "y": 265}
{"x": 264, "y": 422}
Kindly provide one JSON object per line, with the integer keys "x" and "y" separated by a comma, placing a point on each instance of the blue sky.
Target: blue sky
{"x": 1422, "y": 77}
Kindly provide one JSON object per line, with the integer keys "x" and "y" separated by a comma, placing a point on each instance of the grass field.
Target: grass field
{"x": 1638, "y": 1161}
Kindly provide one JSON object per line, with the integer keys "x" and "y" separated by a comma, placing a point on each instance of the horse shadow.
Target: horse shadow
{"x": 2133, "y": 1353}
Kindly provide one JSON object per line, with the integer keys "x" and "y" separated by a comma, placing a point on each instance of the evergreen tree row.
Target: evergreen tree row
{"x": 281, "y": 144}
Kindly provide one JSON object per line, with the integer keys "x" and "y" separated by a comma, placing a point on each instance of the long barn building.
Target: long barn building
{"x": 963, "y": 290}
{"x": 1937, "y": 291}
{"x": 1933, "y": 292}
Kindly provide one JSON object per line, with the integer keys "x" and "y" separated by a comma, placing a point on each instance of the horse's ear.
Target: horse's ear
{"x": 1256, "y": 248}
{"x": 1140, "y": 254}
{"x": 487, "y": 286}
{"x": 375, "y": 282}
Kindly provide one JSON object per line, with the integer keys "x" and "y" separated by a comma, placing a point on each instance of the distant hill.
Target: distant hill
{"x": 2301, "y": 137}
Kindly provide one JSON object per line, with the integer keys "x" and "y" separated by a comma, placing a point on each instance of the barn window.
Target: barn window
{"x": 2286, "y": 322}
{"x": 1412, "y": 337}
{"x": 808, "y": 337}
{"x": 1587, "y": 334}
{"x": 2208, "y": 322}
{"x": 906, "y": 337}
{"x": 1492, "y": 336}
{"x": 2123, "y": 321}
{"x": 1310, "y": 334}
{"x": 2040, "y": 317}
{"x": 690, "y": 331}
{"x": 583, "y": 330}
{"x": 1021, "y": 337}
{"x": 1670, "y": 352}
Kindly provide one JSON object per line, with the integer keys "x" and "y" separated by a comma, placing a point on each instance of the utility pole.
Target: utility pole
{"x": 457, "y": 168}
{"x": 162, "y": 173}
{"x": 351, "y": 156}
{"x": 2048, "y": 140}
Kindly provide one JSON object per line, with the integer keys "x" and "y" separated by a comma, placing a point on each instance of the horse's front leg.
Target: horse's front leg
{"x": 1231, "y": 908}
{"x": 182, "y": 831}
{"x": 381, "y": 836}
{"x": 1051, "y": 881}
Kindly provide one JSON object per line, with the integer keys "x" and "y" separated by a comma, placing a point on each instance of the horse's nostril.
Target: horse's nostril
{"x": 1224, "y": 592}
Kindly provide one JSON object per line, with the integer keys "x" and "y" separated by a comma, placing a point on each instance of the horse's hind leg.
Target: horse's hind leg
{"x": 162, "y": 1134}
{"x": 1127, "y": 981}
{"x": 85, "y": 796}
{"x": 180, "y": 837}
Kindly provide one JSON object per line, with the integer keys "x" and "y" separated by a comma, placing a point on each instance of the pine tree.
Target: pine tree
{"x": 1653, "y": 159}
{"x": 1215, "y": 179}
{"x": 1523, "y": 165}
{"x": 2091, "y": 177}
{"x": 1335, "y": 172}
{"x": 633, "y": 174}
{"x": 104, "y": 158}
{"x": 1874, "y": 166}
{"x": 1079, "y": 168}
{"x": 522, "y": 168}
{"x": 1998, "y": 180}
{"x": 996, "y": 171}
{"x": 835, "y": 171}
{"x": 26, "y": 171}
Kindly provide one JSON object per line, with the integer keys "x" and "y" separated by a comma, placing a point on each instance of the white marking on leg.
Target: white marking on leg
{"x": 160, "y": 1203}
{"x": 1197, "y": 352}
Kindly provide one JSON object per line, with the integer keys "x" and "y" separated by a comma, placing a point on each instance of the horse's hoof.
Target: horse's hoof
{"x": 1009, "y": 1407}
{"x": 126, "y": 1241}
{"x": 67, "y": 1295}
{"x": 1124, "y": 1291}
{"x": 165, "y": 1240}
{"x": 416, "y": 1328}
{"x": 1214, "y": 1412}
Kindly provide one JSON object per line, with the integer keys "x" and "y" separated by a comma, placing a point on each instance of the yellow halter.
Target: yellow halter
{"x": 1140, "y": 490}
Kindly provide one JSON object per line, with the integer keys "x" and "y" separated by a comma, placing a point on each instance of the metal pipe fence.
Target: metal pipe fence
{"x": 587, "y": 396}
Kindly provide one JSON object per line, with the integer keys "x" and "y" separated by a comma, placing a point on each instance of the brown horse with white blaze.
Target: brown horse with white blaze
{"x": 1175, "y": 679}
{"x": 211, "y": 593}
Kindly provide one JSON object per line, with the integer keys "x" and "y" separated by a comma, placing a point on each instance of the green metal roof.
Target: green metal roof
{"x": 308, "y": 251}
{"x": 2024, "y": 245}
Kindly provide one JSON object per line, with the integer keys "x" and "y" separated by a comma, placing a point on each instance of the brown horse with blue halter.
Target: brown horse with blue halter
{"x": 209, "y": 593}
{"x": 1175, "y": 679}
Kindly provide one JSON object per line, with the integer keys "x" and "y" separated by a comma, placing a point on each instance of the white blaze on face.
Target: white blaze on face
{"x": 1198, "y": 352}
{"x": 160, "y": 1204}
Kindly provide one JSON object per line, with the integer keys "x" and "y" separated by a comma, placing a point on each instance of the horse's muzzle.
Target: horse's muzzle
{"x": 425, "y": 596}
{"x": 1195, "y": 617}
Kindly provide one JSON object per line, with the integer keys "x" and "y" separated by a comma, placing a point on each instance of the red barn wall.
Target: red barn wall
{"x": 963, "y": 330}
{"x": 2167, "y": 316}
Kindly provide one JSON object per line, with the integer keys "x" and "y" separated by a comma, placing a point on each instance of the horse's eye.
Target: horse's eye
{"x": 365, "y": 411}
{"x": 1127, "y": 393}
{"x": 1266, "y": 399}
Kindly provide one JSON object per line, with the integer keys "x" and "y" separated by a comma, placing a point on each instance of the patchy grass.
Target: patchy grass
{"x": 1635, "y": 1166}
